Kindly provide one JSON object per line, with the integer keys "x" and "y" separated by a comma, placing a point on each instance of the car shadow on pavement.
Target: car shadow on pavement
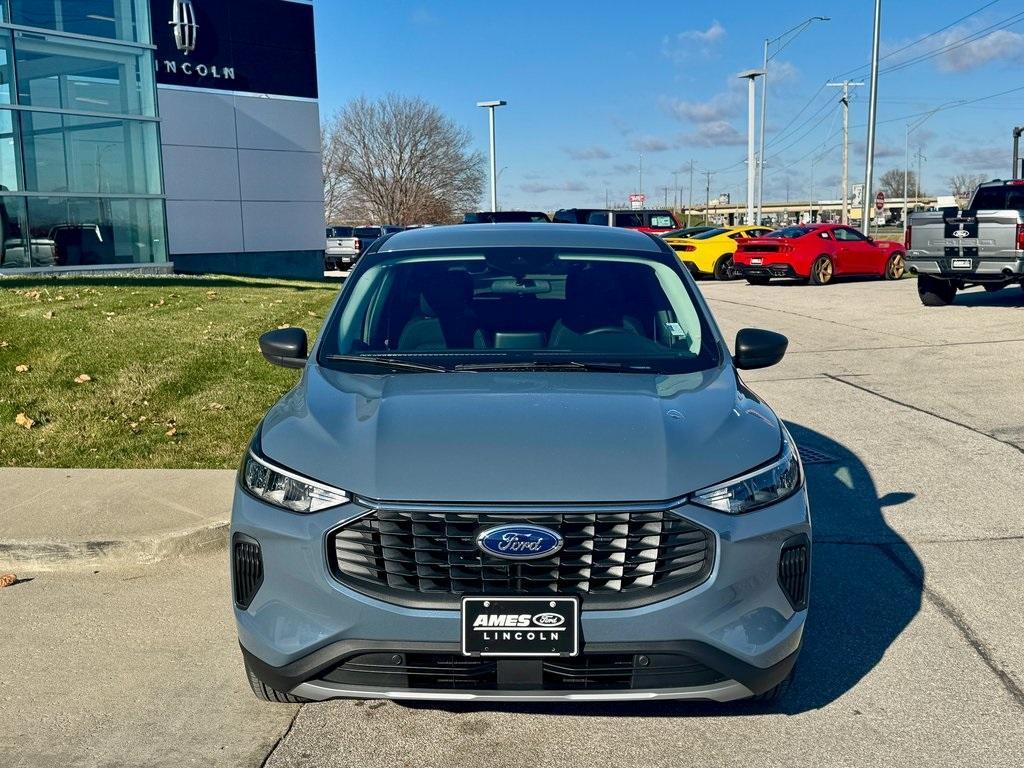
{"x": 1011, "y": 296}
{"x": 866, "y": 587}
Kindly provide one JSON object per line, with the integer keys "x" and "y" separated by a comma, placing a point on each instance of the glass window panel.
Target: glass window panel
{"x": 10, "y": 168}
{"x": 14, "y": 248}
{"x": 80, "y": 154}
{"x": 93, "y": 231}
{"x": 91, "y": 77}
{"x": 6, "y": 71}
{"x": 117, "y": 19}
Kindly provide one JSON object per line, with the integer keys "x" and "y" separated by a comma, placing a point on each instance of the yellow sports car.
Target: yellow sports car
{"x": 710, "y": 252}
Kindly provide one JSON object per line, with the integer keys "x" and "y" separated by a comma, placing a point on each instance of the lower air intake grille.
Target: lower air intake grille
{"x": 795, "y": 570}
{"x": 247, "y": 566}
{"x": 430, "y": 558}
{"x": 589, "y": 672}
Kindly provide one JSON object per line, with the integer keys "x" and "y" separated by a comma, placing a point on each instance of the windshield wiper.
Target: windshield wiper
{"x": 402, "y": 365}
{"x": 553, "y": 365}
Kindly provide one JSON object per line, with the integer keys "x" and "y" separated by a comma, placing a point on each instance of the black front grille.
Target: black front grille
{"x": 589, "y": 672}
{"x": 247, "y": 566}
{"x": 795, "y": 571}
{"x": 430, "y": 558}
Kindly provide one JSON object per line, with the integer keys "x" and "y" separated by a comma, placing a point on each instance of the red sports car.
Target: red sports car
{"x": 817, "y": 252}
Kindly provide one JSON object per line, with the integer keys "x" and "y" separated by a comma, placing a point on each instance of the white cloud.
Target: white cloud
{"x": 682, "y": 45}
{"x": 721, "y": 106}
{"x": 537, "y": 188}
{"x": 587, "y": 153}
{"x": 992, "y": 158}
{"x": 714, "y": 134}
{"x": 651, "y": 144}
{"x": 1000, "y": 45}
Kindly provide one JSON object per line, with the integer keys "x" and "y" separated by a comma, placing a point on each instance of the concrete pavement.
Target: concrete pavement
{"x": 913, "y": 654}
{"x": 79, "y": 518}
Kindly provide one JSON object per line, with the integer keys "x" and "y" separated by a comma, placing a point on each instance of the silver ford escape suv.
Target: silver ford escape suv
{"x": 520, "y": 464}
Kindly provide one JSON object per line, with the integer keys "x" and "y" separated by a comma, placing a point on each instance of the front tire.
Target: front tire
{"x": 895, "y": 267}
{"x": 935, "y": 292}
{"x": 822, "y": 270}
{"x": 264, "y": 692}
{"x": 723, "y": 267}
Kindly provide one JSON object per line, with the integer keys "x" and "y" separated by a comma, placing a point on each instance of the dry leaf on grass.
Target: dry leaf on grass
{"x": 7, "y": 580}
{"x": 216, "y": 407}
{"x": 49, "y": 315}
{"x": 4, "y": 344}
{"x": 22, "y": 368}
{"x": 24, "y": 421}
{"x": 171, "y": 432}
{"x": 83, "y": 378}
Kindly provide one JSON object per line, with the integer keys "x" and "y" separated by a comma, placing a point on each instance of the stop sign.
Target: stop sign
{"x": 879, "y": 201}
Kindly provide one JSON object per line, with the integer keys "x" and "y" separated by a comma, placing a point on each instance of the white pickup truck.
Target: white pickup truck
{"x": 344, "y": 247}
{"x": 983, "y": 244}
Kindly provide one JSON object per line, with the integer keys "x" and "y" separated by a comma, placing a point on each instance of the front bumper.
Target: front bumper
{"x": 304, "y": 632}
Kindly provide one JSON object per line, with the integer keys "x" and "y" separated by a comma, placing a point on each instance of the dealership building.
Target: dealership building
{"x": 160, "y": 134}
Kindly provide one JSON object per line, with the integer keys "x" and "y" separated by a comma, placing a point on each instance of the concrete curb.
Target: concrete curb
{"x": 66, "y": 555}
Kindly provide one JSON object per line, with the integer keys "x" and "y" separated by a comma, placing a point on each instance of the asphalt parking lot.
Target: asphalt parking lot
{"x": 913, "y": 654}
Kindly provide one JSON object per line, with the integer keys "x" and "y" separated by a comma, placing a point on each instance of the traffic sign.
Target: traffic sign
{"x": 879, "y": 201}
{"x": 637, "y": 201}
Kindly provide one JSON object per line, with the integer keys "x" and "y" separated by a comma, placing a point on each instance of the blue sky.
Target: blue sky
{"x": 591, "y": 85}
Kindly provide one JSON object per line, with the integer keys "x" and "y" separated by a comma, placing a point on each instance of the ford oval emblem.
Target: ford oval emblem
{"x": 548, "y": 620}
{"x": 519, "y": 541}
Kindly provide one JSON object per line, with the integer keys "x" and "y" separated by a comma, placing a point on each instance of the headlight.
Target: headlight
{"x": 285, "y": 489}
{"x": 756, "y": 489}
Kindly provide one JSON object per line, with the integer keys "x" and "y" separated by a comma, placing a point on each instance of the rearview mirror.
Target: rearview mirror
{"x": 286, "y": 347}
{"x": 756, "y": 348}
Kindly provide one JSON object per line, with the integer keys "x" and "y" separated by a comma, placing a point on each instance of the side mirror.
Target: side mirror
{"x": 286, "y": 347}
{"x": 758, "y": 349}
{"x": 871, "y": 239}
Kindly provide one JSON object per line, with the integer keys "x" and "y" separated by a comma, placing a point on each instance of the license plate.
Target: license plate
{"x": 520, "y": 626}
{"x": 962, "y": 263}
{"x": 757, "y": 261}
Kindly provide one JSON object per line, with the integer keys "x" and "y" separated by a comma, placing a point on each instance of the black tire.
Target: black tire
{"x": 758, "y": 280}
{"x": 935, "y": 292}
{"x": 822, "y": 270}
{"x": 723, "y": 267}
{"x": 264, "y": 692}
{"x": 772, "y": 695}
{"x": 895, "y": 267}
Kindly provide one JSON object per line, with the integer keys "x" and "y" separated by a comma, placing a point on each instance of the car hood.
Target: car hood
{"x": 520, "y": 437}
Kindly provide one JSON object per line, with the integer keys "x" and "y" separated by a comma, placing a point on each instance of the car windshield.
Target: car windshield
{"x": 789, "y": 232}
{"x": 709, "y": 234}
{"x": 373, "y": 232}
{"x": 339, "y": 231}
{"x": 510, "y": 308}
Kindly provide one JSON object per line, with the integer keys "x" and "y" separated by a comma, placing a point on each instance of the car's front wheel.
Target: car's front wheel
{"x": 723, "y": 267}
{"x": 265, "y": 693}
{"x": 822, "y": 270}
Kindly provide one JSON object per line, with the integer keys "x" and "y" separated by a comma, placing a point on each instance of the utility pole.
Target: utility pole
{"x": 675, "y": 187}
{"x": 751, "y": 76}
{"x": 641, "y": 190}
{"x": 707, "y": 199}
{"x": 666, "y": 189}
{"x": 845, "y": 101}
{"x": 869, "y": 164}
{"x": 689, "y": 200}
{"x": 917, "y": 181}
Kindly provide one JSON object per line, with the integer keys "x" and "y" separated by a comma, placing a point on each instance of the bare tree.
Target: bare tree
{"x": 963, "y": 184}
{"x": 399, "y": 161}
{"x": 892, "y": 183}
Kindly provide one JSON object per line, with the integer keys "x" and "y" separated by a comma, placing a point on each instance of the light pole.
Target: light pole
{"x": 869, "y": 164}
{"x": 491, "y": 105}
{"x": 794, "y": 31}
{"x": 751, "y": 75}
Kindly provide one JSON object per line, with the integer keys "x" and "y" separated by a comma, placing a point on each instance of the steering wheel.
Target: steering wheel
{"x": 605, "y": 329}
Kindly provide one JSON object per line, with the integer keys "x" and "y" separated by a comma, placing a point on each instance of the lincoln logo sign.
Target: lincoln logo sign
{"x": 519, "y": 542}
{"x": 183, "y": 20}
{"x": 185, "y": 28}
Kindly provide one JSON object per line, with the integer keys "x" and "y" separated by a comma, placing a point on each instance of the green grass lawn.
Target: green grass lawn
{"x": 175, "y": 377}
